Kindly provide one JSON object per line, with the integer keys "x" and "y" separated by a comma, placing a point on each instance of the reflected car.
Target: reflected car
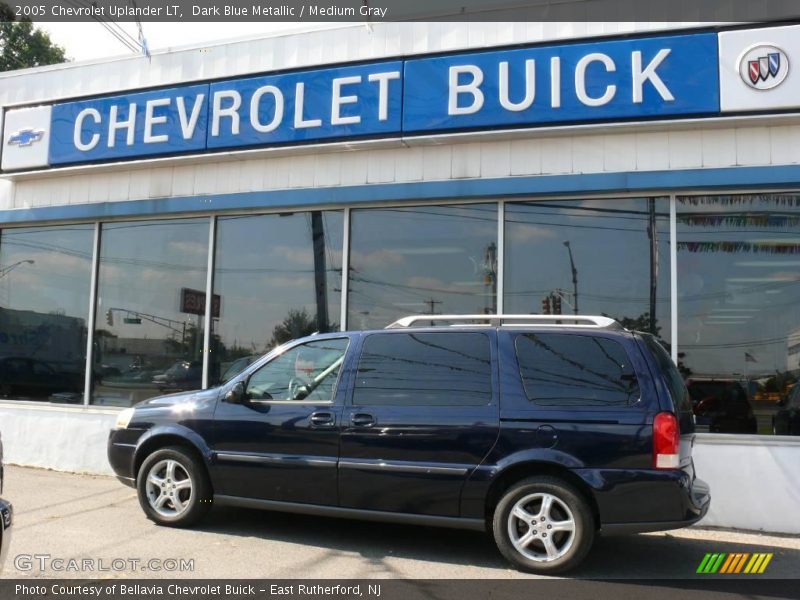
{"x": 722, "y": 406}
{"x": 182, "y": 375}
{"x": 787, "y": 420}
{"x": 6, "y": 514}
{"x": 25, "y": 377}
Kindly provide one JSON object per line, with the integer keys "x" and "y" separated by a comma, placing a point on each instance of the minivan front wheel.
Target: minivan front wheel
{"x": 173, "y": 487}
{"x": 543, "y": 525}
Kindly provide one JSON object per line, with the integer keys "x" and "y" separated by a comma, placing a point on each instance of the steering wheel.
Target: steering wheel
{"x": 297, "y": 389}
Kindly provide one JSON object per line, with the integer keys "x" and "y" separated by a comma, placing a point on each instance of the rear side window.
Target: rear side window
{"x": 424, "y": 369}
{"x": 672, "y": 377}
{"x": 575, "y": 370}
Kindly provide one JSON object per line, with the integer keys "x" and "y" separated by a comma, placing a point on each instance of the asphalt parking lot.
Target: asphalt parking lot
{"x": 67, "y": 516}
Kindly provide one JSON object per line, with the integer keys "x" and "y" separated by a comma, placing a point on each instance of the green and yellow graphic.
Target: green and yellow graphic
{"x": 735, "y": 562}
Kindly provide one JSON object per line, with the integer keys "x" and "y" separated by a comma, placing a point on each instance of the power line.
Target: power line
{"x": 112, "y": 27}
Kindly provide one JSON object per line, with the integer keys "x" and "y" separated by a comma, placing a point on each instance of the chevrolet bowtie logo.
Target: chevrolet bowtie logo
{"x": 26, "y": 137}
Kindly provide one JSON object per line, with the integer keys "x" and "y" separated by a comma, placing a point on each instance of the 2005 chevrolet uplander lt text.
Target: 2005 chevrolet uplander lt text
{"x": 542, "y": 430}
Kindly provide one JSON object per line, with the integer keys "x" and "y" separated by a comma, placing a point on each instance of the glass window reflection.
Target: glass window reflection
{"x": 590, "y": 257}
{"x": 278, "y": 277}
{"x": 739, "y": 307}
{"x": 150, "y": 314}
{"x": 421, "y": 260}
{"x": 45, "y": 279}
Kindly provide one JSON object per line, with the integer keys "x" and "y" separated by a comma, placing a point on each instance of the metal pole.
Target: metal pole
{"x": 501, "y": 245}
{"x": 345, "y": 270}
{"x": 209, "y": 316}
{"x": 90, "y": 325}
{"x": 673, "y": 275}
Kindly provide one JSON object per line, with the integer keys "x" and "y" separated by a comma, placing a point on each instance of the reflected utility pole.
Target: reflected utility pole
{"x": 490, "y": 274}
{"x": 653, "y": 235}
{"x": 431, "y": 305}
{"x": 574, "y": 277}
{"x": 320, "y": 275}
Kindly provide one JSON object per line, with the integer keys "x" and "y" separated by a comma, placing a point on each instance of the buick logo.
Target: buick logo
{"x": 25, "y": 137}
{"x": 763, "y": 67}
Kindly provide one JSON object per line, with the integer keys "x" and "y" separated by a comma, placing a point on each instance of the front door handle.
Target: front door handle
{"x": 362, "y": 420}
{"x": 322, "y": 419}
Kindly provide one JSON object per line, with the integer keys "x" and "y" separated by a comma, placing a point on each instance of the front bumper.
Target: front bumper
{"x": 121, "y": 448}
{"x": 6, "y": 517}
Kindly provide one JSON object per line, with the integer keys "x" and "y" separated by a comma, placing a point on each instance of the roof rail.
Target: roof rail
{"x": 587, "y": 321}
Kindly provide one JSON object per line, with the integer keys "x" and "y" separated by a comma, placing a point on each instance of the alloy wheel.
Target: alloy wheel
{"x": 541, "y": 527}
{"x": 169, "y": 488}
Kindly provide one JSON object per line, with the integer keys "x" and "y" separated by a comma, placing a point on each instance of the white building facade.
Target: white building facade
{"x": 344, "y": 178}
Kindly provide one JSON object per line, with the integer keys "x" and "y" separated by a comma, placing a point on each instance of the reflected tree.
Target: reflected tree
{"x": 298, "y": 323}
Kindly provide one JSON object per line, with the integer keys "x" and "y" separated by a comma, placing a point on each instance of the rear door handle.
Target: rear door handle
{"x": 322, "y": 419}
{"x": 362, "y": 420}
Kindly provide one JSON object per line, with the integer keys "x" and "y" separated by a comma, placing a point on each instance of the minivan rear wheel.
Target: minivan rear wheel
{"x": 173, "y": 487}
{"x": 543, "y": 525}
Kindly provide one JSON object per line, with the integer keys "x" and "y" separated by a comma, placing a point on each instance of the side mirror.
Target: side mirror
{"x": 235, "y": 395}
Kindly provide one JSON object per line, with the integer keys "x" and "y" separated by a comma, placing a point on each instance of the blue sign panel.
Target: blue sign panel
{"x": 133, "y": 125}
{"x": 620, "y": 79}
{"x": 569, "y": 83}
{"x": 312, "y": 105}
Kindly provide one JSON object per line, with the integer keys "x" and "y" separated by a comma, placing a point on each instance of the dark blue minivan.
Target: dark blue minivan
{"x": 543, "y": 430}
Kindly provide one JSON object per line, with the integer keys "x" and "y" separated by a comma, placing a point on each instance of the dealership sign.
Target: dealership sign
{"x": 675, "y": 76}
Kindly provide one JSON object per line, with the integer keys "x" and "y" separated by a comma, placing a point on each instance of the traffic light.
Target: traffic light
{"x": 556, "y": 305}
{"x": 546, "y": 305}
{"x": 110, "y": 317}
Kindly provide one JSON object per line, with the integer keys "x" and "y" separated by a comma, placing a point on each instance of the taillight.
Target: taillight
{"x": 666, "y": 441}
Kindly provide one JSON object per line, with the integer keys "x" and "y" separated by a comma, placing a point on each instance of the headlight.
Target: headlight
{"x": 123, "y": 418}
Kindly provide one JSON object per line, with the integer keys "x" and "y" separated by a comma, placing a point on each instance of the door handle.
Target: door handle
{"x": 362, "y": 420}
{"x": 322, "y": 419}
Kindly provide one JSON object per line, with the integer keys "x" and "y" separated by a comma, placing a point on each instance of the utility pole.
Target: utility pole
{"x": 574, "y": 277}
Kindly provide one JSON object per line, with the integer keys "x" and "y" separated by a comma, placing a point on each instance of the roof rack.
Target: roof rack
{"x": 585, "y": 321}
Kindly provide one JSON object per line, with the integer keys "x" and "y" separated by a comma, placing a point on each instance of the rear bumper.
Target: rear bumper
{"x": 636, "y": 501}
{"x": 6, "y": 518}
{"x": 700, "y": 501}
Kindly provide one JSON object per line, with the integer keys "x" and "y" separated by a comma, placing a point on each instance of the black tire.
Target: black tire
{"x": 567, "y": 504}
{"x": 188, "y": 504}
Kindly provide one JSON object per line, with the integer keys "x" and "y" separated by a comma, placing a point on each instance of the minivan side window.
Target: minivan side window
{"x": 575, "y": 370}
{"x": 424, "y": 369}
{"x": 308, "y": 372}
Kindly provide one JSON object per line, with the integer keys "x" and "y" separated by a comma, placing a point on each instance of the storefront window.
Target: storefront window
{"x": 739, "y": 309}
{"x": 590, "y": 257}
{"x": 150, "y": 306}
{"x": 45, "y": 280}
{"x": 421, "y": 260}
{"x": 277, "y": 277}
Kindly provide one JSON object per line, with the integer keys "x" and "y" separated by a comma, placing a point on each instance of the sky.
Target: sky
{"x": 88, "y": 41}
